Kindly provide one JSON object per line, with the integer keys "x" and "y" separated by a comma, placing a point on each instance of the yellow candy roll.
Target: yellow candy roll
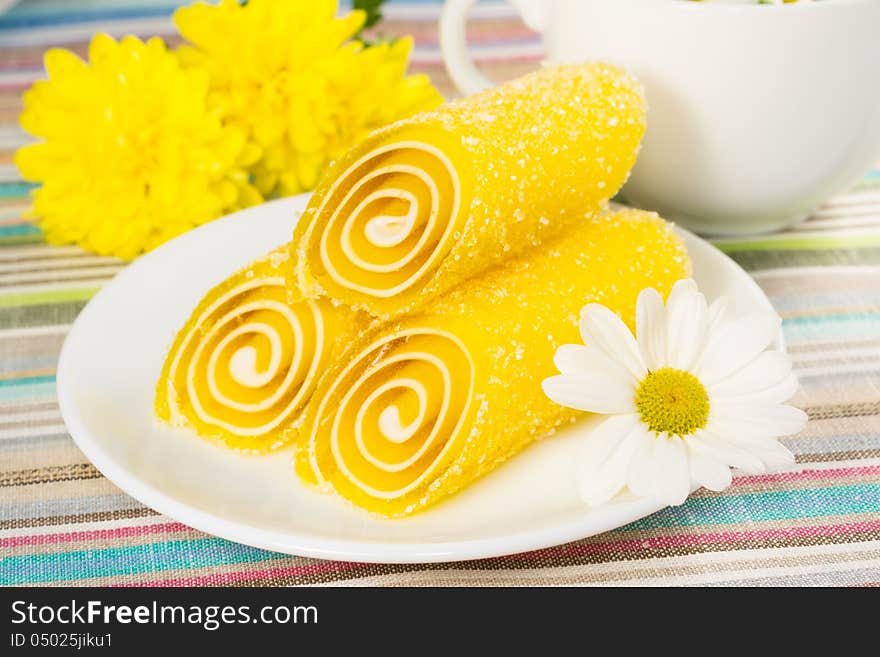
{"x": 422, "y": 406}
{"x": 428, "y": 202}
{"x": 248, "y": 359}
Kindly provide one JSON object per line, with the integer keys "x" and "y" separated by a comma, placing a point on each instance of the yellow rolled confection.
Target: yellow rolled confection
{"x": 422, "y": 406}
{"x": 430, "y": 201}
{"x": 245, "y": 364}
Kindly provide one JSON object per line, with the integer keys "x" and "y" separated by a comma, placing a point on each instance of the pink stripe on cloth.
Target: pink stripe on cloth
{"x": 96, "y": 534}
{"x": 18, "y": 85}
{"x": 809, "y": 475}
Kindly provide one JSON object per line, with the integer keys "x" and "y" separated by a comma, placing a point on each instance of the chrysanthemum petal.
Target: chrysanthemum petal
{"x": 686, "y": 324}
{"x": 651, "y": 328}
{"x": 602, "y": 328}
{"x": 101, "y": 49}
{"x": 735, "y": 345}
{"x": 34, "y": 161}
{"x": 307, "y": 98}
{"x": 159, "y": 159}
{"x": 60, "y": 63}
{"x": 590, "y": 392}
{"x": 578, "y": 358}
{"x": 605, "y": 457}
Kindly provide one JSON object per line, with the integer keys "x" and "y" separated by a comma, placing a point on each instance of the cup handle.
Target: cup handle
{"x": 453, "y": 39}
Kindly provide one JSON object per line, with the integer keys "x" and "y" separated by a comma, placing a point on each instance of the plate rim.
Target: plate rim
{"x": 304, "y": 544}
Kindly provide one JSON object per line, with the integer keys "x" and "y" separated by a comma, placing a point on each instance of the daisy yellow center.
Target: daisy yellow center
{"x": 672, "y": 401}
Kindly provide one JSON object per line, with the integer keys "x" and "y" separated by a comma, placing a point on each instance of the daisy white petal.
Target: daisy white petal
{"x": 774, "y": 454}
{"x": 688, "y": 285}
{"x": 604, "y": 458}
{"x": 685, "y": 325}
{"x": 640, "y": 473}
{"x": 602, "y": 328}
{"x": 768, "y": 369}
{"x": 774, "y": 394}
{"x": 590, "y": 392}
{"x": 671, "y": 474}
{"x": 651, "y": 328}
{"x": 735, "y": 345}
{"x": 715, "y": 447}
{"x": 716, "y": 316}
{"x": 578, "y": 358}
{"x": 707, "y": 472}
{"x": 757, "y": 419}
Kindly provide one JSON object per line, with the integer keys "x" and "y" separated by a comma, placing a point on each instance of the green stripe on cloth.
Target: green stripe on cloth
{"x": 42, "y": 297}
{"x": 768, "y": 259}
{"x": 40, "y": 314}
{"x": 794, "y": 242}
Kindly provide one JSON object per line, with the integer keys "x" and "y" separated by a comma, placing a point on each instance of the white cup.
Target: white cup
{"x": 757, "y": 113}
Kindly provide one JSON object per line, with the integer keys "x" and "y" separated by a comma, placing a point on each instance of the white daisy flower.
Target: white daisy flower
{"x": 696, "y": 394}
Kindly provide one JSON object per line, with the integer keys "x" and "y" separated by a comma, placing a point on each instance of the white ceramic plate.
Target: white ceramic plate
{"x": 111, "y": 360}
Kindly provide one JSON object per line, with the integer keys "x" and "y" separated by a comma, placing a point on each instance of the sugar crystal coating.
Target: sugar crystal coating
{"x": 435, "y": 199}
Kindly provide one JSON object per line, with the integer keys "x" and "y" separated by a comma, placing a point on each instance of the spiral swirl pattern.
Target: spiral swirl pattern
{"x": 247, "y": 362}
{"x": 390, "y": 218}
{"x": 389, "y": 420}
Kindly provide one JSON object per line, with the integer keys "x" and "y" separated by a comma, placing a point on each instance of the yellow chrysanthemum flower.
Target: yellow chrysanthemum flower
{"x": 289, "y": 74}
{"x": 131, "y": 155}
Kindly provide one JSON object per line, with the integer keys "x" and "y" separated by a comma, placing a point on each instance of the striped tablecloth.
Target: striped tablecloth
{"x": 61, "y": 522}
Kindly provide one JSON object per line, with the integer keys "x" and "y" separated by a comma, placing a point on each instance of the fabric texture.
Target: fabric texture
{"x": 62, "y": 523}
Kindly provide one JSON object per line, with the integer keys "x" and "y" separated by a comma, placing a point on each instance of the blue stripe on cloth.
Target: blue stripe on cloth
{"x": 28, "y": 16}
{"x": 26, "y": 380}
{"x": 19, "y": 230}
{"x": 113, "y": 562}
{"x": 21, "y": 18}
{"x": 826, "y": 327}
{"x": 37, "y": 391}
{"x": 774, "y": 505}
{"x": 16, "y": 189}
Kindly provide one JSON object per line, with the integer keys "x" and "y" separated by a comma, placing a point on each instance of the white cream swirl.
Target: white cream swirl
{"x": 389, "y": 218}
{"x": 394, "y": 412}
{"x": 249, "y": 360}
